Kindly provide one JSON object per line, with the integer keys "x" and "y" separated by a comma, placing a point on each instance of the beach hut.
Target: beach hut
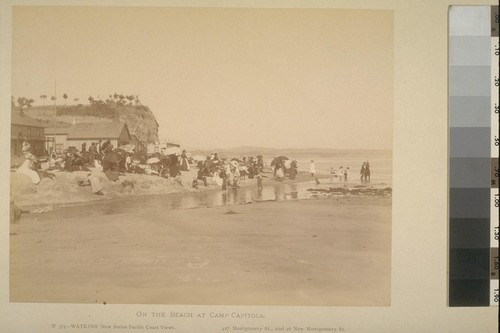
{"x": 116, "y": 132}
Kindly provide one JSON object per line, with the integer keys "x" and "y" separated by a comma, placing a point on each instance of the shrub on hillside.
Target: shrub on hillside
{"x": 96, "y": 110}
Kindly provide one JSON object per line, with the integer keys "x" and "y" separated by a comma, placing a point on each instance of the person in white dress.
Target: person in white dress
{"x": 312, "y": 168}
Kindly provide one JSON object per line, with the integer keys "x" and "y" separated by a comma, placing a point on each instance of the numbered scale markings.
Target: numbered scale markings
{"x": 473, "y": 156}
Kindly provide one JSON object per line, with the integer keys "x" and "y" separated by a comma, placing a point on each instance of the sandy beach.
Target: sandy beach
{"x": 64, "y": 188}
{"x": 333, "y": 251}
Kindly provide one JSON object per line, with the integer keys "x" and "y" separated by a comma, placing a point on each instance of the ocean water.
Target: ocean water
{"x": 380, "y": 163}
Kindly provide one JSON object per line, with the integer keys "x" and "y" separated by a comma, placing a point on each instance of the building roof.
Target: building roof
{"x": 109, "y": 130}
{"x": 57, "y": 130}
{"x": 18, "y": 119}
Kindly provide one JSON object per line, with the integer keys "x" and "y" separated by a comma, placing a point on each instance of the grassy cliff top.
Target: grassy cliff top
{"x": 139, "y": 118}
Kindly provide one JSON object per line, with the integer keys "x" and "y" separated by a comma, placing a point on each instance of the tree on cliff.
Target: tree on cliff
{"x": 65, "y": 96}
{"x": 43, "y": 97}
{"x": 130, "y": 99}
{"x": 25, "y": 102}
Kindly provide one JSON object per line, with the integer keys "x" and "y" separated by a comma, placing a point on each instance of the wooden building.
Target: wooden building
{"x": 56, "y": 139}
{"x": 88, "y": 133}
{"x": 24, "y": 128}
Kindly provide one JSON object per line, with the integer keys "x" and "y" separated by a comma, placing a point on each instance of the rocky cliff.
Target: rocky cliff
{"x": 140, "y": 119}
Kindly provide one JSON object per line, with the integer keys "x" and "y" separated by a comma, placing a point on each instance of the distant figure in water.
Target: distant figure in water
{"x": 346, "y": 174}
{"x": 312, "y": 168}
{"x": 317, "y": 181}
{"x": 332, "y": 174}
{"x": 362, "y": 172}
{"x": 367, "y": 172}
{"x": 340, "y": 173}
{"x": 293, "y": 170}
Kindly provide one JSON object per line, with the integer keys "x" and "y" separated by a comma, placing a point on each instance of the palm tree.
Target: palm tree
{"x": 65, "y": 98}
{"x": 43, "y": 97}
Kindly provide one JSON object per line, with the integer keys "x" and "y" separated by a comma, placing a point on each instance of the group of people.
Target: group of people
{"x": 343, "y": 173}
{"x": 285, "y": 168}
{"x": 72, "y": 159}
{"x": 365, "y": 172}
{"x": 226, "y": 173}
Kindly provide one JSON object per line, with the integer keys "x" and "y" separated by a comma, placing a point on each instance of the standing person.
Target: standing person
{"x": 312, "y": 168}
{"x": 184, "y": 162}
{"x": 340, "y": 173}
{"x": 107, "y": 147}
{"x": 84, "y": 147}
{"x": 346, "y": 174}
{"x": 223, "y": 176}
{"x": 128, "y": 162}
{"x": 235, "y": 175}
{"x": 259, "y": 181}
{"x": 293, "y": 170}
{"x": 26, "y": 148}
{"x": 362, "y": 172}
{"x": 280, "y": 174}
{"x": 173, "y": 166}
{"x": 367, "y": 172}
{"x": 332, "y": 173}
{"x": 260, "y": 163}
{"x": 93, "y": 149}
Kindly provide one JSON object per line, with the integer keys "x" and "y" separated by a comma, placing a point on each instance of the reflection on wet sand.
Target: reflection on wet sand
{"x": 216, "y": 198}
{"x": 210, "y": 198}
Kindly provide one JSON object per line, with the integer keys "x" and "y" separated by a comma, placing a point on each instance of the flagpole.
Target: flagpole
{"x": 55, "y": 95}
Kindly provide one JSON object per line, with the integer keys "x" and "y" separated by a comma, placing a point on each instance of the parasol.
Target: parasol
{"x": 153, "y": 160}
{"x": 277, "y": 160}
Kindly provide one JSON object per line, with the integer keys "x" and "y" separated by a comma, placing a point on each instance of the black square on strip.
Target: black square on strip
{"x": 469, "y": 233}
{"x": 469, "y": 263}
{"x": 469, "y": 293}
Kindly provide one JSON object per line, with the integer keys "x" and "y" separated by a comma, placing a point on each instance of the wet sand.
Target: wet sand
{"x": 333, "y": 251}
{"x": 64, "y": 188}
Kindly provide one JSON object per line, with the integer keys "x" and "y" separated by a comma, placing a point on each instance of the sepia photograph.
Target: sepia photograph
{"x": 201, "y": 156}
{"x": 245, "y": 166}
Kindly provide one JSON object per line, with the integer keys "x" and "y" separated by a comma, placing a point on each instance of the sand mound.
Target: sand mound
{"x": 21, "y": 185}
{"x": 65, "y": 188}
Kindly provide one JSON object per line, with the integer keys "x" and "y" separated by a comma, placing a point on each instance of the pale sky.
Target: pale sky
{"x": 220, "y": 78}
